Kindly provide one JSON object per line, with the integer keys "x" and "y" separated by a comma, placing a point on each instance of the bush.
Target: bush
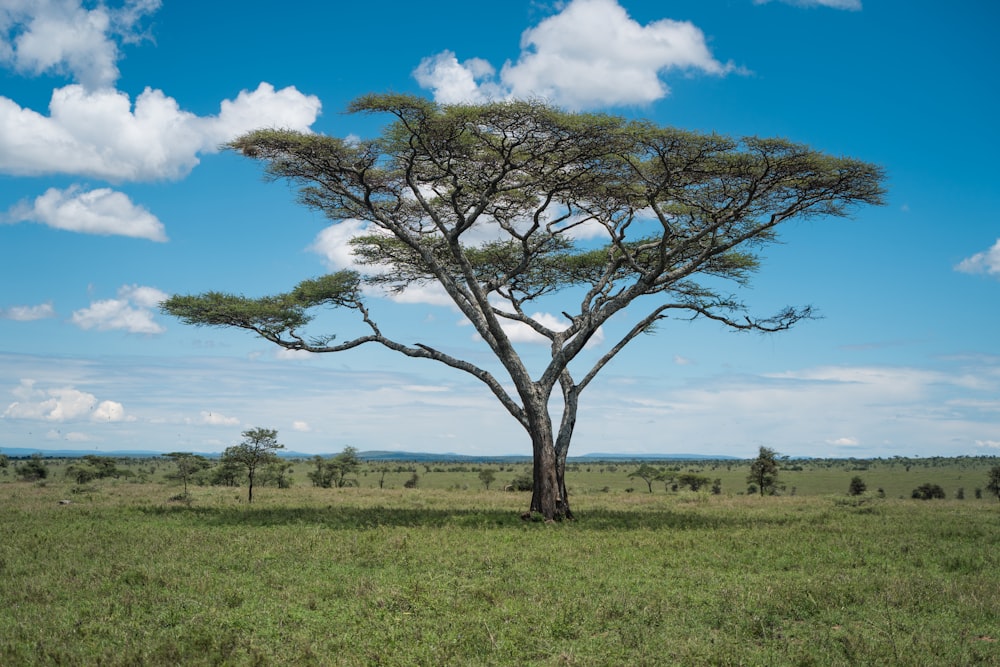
{"x": 32, "y": 470}
{"x": 522, "y": 483}
{"x": 412, "y": 482}
{"x": 928, "y": 492}
{"x": 857, "y": 486}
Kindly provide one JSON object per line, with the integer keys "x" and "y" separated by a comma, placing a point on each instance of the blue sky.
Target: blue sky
{"x": 113, "y": 195}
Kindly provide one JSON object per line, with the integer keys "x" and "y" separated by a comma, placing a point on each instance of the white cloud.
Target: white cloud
{"x": 100, "y": 134}
{"x": 301, "y": 427}
{"x": 60, "y": 404}
{"x": 591, "y": 54}
{"x": 987, "y": 262}
{"x": 216, "y": 419}
{"x": 102, "y": 211}
{"x": 108, "y": 411}
{"x": 843, "y": 442}
{"x": 988, "y": 444}
{"x": 132, "y": 311}
{"x": 853, "y": 5}
{"x": 64, "y": 37}
{"x": 28, "y": 313}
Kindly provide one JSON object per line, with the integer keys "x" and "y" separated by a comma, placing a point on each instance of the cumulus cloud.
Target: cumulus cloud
{"x": 61, "y": 404}
{"x": 591, "y": 54}
{"x": 132, "y": 311}
{"x": 985, "y": 262}
{"x": 301, "y": 426}
{"x": 28, "y": 313}
{"x": 100, "y": 134}
{"x": 101, "y": 211}
{"x": 854, "y": 5}
{"x": 63, "y": 37}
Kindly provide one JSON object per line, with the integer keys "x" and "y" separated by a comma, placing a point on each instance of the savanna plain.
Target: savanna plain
{"x": 133, "y": 571}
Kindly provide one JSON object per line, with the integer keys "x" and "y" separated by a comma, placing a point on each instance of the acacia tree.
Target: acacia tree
{"x": 500, "y": 205}
{"x": 187, "y": 465}
{"x": 256, "y": 450}
{"x": 764, "y": 471}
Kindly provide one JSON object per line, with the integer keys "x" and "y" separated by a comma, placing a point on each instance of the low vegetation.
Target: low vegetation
{"x": 114, "y": 572}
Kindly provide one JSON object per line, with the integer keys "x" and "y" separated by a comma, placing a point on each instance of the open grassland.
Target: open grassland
{"x": 451, "y": 575}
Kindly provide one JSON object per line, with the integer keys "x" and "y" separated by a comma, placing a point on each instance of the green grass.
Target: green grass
{"x": 433, "y": 576}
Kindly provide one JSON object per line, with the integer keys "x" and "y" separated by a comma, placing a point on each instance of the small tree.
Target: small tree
{"x": 764, "y": 471}
{"x": 278, "y": 473}
{"x": 334, "y": 471}
{"x": 487, "y": 476}
{"x": 646, "y": 473}
{"x": 993, "y": 481}
{"x": 412, "y": 482}
{"x": 187, "y": 465}
{"x": 857, "y": 486}
{"x": 256, "y": 450}
{"x": 693, "y": 481}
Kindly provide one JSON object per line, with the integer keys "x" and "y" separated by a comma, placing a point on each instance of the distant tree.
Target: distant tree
{"x": 33, "y": 469}
{"x": 4, "y": 461}
{"x": 91, "y": 467}
{"x": 225, "y": 473}
{"x": 646, "y": 473}
{"x": 488, "y": 201}
{"x": 993, "y": 481}
{"x": 857, "y": 486}
{"x": 187, "y": 464}
{"x": 693, "y": 481}
{"x": 960, "y": 493}
{"x": 717, "y": 486}
{"x": 256, "y": 450}
{"x": 278, "y": 473}
{"x": 928, "y": 491}
{"x": 333, "y": 472}
{"x": 486, "y": 476}
{"x": 412, "y": 482}
{"x": 764, "y": 471}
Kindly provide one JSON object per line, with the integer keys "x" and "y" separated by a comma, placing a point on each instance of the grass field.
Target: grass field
{"x": 448, "y": 574}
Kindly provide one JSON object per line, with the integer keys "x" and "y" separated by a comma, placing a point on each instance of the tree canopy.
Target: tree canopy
{"x": 508, "y": 203}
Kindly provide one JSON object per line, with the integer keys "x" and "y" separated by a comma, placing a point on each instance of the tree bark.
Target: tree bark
{"x": 548, "y": 492}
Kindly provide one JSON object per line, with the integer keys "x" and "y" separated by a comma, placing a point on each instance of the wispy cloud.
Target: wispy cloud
{"x": 590, "y": 54}
{"x": 28, "y": 313}
{"x": 853, "y": 5}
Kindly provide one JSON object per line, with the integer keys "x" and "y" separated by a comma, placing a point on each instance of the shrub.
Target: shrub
{"x": 412, "y": 482}
{"x": 32, "y": 470}
{"x": 928, "y": 492}
{"x": 522, "y": 483}
{"x": 857, "y": 486}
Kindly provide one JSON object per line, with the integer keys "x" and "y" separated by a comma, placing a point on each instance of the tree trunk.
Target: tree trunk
{"x": 548, "y": 491}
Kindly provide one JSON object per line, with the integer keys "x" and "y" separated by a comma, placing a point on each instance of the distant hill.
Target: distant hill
{"x": 374, "y": 455}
